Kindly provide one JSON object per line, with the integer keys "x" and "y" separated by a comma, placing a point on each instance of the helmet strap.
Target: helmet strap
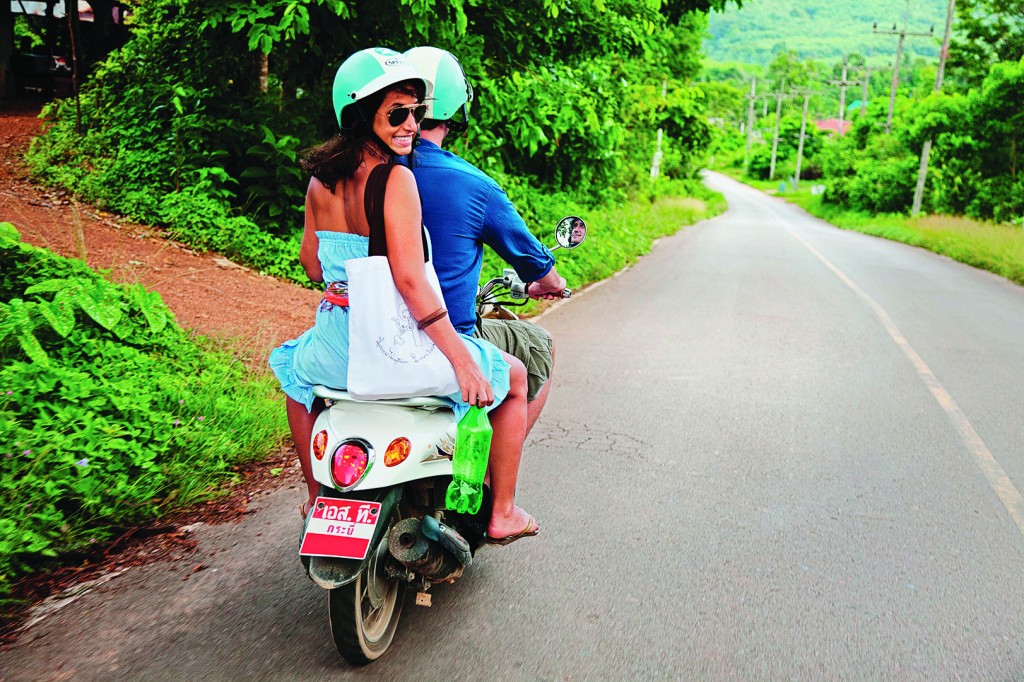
{"x": 455, "y": 126}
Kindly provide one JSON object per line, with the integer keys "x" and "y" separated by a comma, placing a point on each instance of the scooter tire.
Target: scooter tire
{"x": 364, "y": 614}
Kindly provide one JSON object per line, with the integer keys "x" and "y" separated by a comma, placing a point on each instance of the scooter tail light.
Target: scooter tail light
{"x": 350, "y": 463}
{"x": 320, "y": 445}
{"x": 397, "y": 452}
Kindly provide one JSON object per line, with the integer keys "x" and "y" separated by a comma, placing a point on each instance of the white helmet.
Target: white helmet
{"x": 448, "y": 91}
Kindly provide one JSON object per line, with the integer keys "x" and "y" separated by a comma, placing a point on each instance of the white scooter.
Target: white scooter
{"x": 379, "y": 524}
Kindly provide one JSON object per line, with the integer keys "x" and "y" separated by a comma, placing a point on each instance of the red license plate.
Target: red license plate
{"x": 341, "y": 529}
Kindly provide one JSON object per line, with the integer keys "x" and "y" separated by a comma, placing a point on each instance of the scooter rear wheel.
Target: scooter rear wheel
{"x": 364, "y": 614}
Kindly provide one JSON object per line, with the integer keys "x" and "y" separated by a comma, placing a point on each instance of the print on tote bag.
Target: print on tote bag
{"x": 389, "y": 356}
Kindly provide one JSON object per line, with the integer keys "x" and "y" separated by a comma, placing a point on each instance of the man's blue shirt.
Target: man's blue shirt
{"x": 463, "y": 209}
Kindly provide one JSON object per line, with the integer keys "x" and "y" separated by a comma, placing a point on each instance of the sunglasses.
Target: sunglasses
{"x": 400, "y": 115}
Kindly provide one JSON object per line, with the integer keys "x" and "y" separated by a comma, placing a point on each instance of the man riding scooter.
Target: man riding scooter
{"x": 463, "y": 209}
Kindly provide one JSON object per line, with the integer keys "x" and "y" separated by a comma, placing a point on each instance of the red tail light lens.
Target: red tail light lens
{"x": 349, "y": 463}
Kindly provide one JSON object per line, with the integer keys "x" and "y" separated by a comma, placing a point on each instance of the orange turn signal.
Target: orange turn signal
{"x": 319, "y": 445}
{"x": 397, "y": 452}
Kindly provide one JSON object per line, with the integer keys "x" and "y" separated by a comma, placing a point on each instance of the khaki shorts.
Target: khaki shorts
{"x": 526, "y": 341}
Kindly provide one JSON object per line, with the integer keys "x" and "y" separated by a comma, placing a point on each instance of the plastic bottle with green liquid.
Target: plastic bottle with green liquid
{"x": 469, "y": 462}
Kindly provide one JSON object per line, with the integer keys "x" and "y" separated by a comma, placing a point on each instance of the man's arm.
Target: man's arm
{"x": 506, "y": 233}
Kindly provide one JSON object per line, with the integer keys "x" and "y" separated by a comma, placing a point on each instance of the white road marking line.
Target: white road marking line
{"x": 997, "y": 478}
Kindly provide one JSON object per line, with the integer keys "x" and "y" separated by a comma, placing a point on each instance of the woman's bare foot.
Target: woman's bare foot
{"x": 506, "y": 528}
{"x": 304, "y": 508}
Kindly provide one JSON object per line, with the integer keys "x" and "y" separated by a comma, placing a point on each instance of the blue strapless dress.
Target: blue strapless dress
{"x": 320, "y": 355}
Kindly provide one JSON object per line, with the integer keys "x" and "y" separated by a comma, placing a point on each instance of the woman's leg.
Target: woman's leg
{"x": 300, "y": 421}
{"x": 508, "y": 423}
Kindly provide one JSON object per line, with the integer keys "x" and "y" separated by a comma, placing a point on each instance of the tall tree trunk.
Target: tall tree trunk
{"x": 71, "y": 11}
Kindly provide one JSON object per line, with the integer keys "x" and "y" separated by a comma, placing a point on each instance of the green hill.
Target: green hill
{"x": 822, "y": 29}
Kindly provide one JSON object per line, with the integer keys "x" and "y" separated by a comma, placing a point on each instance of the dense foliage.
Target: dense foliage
{"x": 988, "y": 31}
{"x": 178, "y": 130}
{"x": 109, "y": 412}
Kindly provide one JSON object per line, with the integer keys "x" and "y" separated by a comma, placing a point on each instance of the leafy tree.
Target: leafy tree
{"x": 787, "y": 67}
{"x": 978, "y": 166}
{"x": 987, "y": 31}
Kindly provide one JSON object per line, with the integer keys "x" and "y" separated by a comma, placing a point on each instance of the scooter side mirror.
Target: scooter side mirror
{"x": 570, "y": 232}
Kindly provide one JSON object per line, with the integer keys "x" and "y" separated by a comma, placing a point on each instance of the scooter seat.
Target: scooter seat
{"x": 420, "y": 401}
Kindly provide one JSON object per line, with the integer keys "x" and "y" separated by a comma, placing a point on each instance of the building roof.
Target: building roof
{"x": 831, "y": 125}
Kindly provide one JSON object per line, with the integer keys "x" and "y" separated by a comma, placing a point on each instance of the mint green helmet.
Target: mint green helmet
{"x": 448, "y": 91}
{"x": 365, "y": 73}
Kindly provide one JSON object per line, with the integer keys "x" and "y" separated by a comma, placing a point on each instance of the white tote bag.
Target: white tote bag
{"x": 389, "y": 357}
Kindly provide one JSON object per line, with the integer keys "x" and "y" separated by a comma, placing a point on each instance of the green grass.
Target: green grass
{"x": 998, "y": 248}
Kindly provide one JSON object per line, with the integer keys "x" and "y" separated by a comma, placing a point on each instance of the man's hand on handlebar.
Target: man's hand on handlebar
{"x": 550, "y": 286}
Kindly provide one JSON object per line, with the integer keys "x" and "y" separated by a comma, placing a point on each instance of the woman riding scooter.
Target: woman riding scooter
{"x": 378, "y": 102}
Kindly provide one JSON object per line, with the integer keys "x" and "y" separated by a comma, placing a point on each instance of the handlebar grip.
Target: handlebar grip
{"x": 566, "y": 293}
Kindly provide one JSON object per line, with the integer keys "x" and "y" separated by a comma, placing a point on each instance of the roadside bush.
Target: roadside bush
{"x": 1001, "y": 197}
{"x": 878, "y": 177}
{"x": 760, "y": 162}
{"x": 109, "y": 412}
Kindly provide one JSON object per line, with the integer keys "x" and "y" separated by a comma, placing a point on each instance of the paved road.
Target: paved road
{"x": 776, "y": 450}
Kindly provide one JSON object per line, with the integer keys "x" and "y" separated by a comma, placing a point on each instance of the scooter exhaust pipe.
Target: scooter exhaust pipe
{"x": 410, "y": 546}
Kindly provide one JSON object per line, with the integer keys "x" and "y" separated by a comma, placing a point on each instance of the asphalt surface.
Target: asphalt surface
{"x": 775, "y": 450}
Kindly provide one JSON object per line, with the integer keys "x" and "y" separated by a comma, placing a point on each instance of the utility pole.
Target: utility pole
{"x": 656, "y": 161}
{"x": 71, "y": 12}
{"x": 750, "y": 123}
{"x": 843, "y": 83}
{"x": 867, "y": 84}
{"x": 902, "y": 33}
{"x": 800, "y": 146}
{"x": 926, "y": 149}
{"x": 865, "y": 94}
{"x": 775, "y": 138}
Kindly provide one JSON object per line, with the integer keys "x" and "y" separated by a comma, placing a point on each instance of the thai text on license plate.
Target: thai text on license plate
{"x": 340, "y": 528}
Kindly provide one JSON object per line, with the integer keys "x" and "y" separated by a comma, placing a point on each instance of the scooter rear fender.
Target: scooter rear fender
{"x": 331, "y": 573}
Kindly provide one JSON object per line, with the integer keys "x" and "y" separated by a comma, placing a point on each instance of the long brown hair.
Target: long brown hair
{"x": 340, "y": 156}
